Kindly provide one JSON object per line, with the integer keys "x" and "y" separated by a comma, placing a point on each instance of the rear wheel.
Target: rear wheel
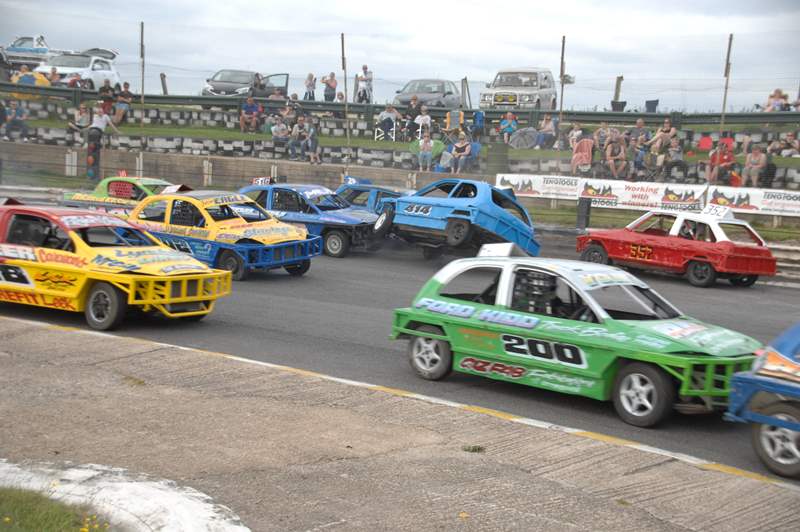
{"x": 595, "y": 253}
{"x": 336, "y": 244}
{"x": 296, "y": 270}
{"x": 458, "y": 232}
{"x": 430, "y": 358}
{"x": 777, "y": 447}
{"x": 744, "y": 280}
{"x": 231, "y": 261}
{"x": 701, "y": 274}
{"x": 106, "y": 306}
{"x": 643, "y": 395}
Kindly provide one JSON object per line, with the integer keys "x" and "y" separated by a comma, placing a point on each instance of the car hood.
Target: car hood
{"x": 226, "y": 85}
{"x": 687, "y": 334}
{"x": 267, "y": 232}
{"x": 148, "y": 260}
{"x": 349, "y": 216}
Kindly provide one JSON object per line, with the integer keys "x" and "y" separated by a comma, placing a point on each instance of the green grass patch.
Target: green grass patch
{"x": 43, "y": 179}
{"x": 23, "y": 510}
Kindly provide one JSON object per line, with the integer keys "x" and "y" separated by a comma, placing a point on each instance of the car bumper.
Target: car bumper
{"x": 280, "y": 255}
{"x": 179, "y": 296}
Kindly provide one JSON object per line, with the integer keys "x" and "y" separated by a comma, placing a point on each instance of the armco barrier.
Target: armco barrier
{"x": 35, "y": 195}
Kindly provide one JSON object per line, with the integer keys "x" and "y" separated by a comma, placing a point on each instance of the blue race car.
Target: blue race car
{"x": 768, "y": 396}
{"x": 368, "y": 196}
{"x": 458, "y": 213}
{"x": 322, "y": 212}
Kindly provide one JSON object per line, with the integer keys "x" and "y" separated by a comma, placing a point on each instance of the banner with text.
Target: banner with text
{"x": 646, "y": 196}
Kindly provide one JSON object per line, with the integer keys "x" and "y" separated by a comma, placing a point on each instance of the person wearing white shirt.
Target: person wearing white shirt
{"x": 423, "y": 119}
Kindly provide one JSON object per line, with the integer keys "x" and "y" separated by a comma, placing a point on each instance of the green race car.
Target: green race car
{"x": 120, "y": 194}
{"x": 572, "y": 327}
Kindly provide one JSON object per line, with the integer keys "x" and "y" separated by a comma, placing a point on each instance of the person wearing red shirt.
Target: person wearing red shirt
{"x": 721, "y": 162}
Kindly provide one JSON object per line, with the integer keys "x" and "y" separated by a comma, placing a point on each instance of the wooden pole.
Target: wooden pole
{"x": 346, "y": 109}
{"x": 141, "y": 57}
{"x": 563, "y": 73}
{"x": 727, "y": 81}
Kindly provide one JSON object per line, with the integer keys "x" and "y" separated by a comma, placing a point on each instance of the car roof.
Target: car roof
{"x": 56, "y": 213}
{"x": 700, "y": 217}
{"x": 300, "y": 187}
{"x": 523, "y": 69}
{"x": 381, "y": 188}
{"x": 235, "y": 70}
{"x": 436, "y": 80}
{"x": 142, "y": 180}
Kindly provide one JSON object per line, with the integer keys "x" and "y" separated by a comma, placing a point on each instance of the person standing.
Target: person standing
{"x": 754, "y": 164}
{"x": 16, "y": 118}
{"x": 100, "y": 121}
{"x": 311, "y": 86}
{"x": 311, "y": 144}
{"x": 81, "y": 121}
{"x": 425, "y": 156}
{"x": 364, "y": 85}
{"x": 330, "y": 86}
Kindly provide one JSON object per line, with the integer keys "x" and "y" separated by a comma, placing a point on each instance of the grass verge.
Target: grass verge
{"x": 23, "y": 510}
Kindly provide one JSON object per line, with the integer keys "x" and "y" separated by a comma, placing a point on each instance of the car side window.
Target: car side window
{"x": 478, "y": 285}
{"x": 358, "y": 197}
{"x": 692, "y": 230}
{"x": 656, "y": 225}
{"x": 35, "y": 231}
{"x": 548, "y": 295}
{"x": 154, "y": 212}
{"x": 286, "y": 200}
{"x": 124, "y": 190}
{"x": 466, "y": 190}
{"x": 440, "y": 191}
{"x": 184, "y": 213}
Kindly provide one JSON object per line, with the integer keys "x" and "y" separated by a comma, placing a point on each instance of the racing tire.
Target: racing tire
{"x": 336, "y": 244}
{"x": 431, "y": 359}
{"x": 231, "y": 261}
{"x": 298, "y": 269}
{"x": 458, "y": 232}
{"x": 432, "y": 253}
{"x": 643, "y": 395}
{"x": 384, "y": 223}
{"x": 744, "y": 280}
{"x": 779, "y": 448}
{"x": 595, "y": 253}
{"x": 701, "y": 274}
{"x": 106, "y": 306}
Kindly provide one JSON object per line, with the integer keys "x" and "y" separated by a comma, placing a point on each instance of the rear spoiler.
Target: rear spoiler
{"x": 172, "y": 189}
{"x": 10, "y": 201}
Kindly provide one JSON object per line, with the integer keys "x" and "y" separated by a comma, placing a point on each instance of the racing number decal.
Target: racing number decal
{"x": 641, "y": 252}
{"x": 10, "y": 274}
{"x": 539, "y": 349}
{"x": 418, "y": 209}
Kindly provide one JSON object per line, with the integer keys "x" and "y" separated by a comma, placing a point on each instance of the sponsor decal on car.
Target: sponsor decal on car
{"x": 57, "y": 302}
{"x": 89, "y": 220}
{"x": 466, "y": 311}
{"x": 14, "y": 275}
{"x": 60, "y": 257}
{"x": 13, "y": 251}
{"x": 487, "y": 367}
{"x": 227, "y": 198}
{"x": 183, "y": 267}
{"x": 679, "y": 328}
{"x": 56, "y": 280}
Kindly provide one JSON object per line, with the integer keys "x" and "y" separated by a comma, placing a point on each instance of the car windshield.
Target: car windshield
{"x": 328, "y": 202}
{"x": 516, "y": 79}
{"x": 250, "y": 212}
{"x": 233, "y": 76}
{"x": 741, "y": 234}
{"x": 70, "y": 61}
{"x": 631, "y": 302}
{"x": 106, "y": 236}
{"x": 423, "y": 86}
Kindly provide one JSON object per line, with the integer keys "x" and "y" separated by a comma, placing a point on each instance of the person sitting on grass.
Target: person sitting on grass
{"x": 461, "y": 151}
{"x": 661, "y": 140}
{"x": 720, "y": 163}
{"x": 387, "y": 119}
{"x": 574, "y": 135}
{"x": 299, "y": 136}
{"x": 248, "y": 117}
{"x": 16, "y": 118}
{"x": 615, "y": 156}
{"x": 754, "y": 164}
{"x": 546, "y": 134}
{"x": 425, "y": 156}
{"x": 280, "y": 132}
{"x": 785, "y": 147}
{"x": 508, "y": 125}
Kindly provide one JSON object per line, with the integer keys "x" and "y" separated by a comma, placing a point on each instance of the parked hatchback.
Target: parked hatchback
{"x": 92, "y": 69}
{"x": 245, "y": 83}
{"x": 430, "y": 92}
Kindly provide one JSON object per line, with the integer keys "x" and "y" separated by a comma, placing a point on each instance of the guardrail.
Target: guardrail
{"x": 368, "y": 112}
{"x": 35, "y": 195}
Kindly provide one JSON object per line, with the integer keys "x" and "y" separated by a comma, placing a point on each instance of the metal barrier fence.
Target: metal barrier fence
{"x": 369, "y": 112}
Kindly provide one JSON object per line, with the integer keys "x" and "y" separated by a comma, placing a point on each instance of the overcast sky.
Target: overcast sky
{"x": 672, "y": 51}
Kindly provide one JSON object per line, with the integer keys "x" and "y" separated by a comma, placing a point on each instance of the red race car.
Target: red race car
{"x": 703, "y": 246}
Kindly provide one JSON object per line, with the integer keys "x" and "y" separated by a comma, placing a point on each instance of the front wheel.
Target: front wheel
{"x": 430, "y": 358}
{"x": 105, "y": 307}
{"x": 744, "y": 280}
{"x": 643, "y": 395}
{"x": 458, "y": 232}
{"x": 383, "y": 223}
{"x": 336, "y": 244}
{"x": 595, "y": 253}
{"x": 233, "y": 262}
{"x": 777, "y": 447}
{"x": 701, "y": 274}
{"x": 298, "y": 269}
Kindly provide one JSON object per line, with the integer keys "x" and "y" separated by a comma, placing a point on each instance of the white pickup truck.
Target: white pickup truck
{"x": 520, "y": 88}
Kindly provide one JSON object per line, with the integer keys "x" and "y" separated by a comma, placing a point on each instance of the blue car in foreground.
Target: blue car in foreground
{"x": 768, "y": 397}
{"x": 370, "y": 197}
{"x": 458, "y": 213}
{"x": 323, "y": 213}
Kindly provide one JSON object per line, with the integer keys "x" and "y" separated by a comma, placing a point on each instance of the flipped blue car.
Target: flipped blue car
{"x": 457, "y": 213}
{"x": 370, "y": 197}
{"x": 324, "y": 213}
{"x": 768, "y": 397}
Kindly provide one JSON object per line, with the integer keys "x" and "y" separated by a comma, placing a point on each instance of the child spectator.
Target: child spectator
{"x": 754, "y": 164}
{"x": 311, "y": 86}
{"x": 777, "y": 101}
{"x": 602, "y": 136}
{"x": 425, "y": 156}
{"x": 508, "y": 125}
{"x": 16, "y": 118}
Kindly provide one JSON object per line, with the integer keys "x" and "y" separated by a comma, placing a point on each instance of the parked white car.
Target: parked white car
{"x": 520, "y": 88}
{"x": 93, "y": 66}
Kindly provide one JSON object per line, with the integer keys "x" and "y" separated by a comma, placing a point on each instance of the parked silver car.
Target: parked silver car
{"x": 520, "y": 88}
{"x": 430, "y": 92}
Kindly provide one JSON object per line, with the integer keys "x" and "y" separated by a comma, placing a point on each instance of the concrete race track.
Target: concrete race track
{"x": 337, "y": 319}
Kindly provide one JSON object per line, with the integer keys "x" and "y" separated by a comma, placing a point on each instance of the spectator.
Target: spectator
{"x": 25, "y": 77}
{"x": 311, "y": 144}
{"x": 387, "y": 119}
{"x": 754, "y": 164}
{"x": 54, "y": 78}
{"x": 546, "y": 134}
{"x": 661, "y": 140}
{"x": 280, "y": 133}
{"x": 425, "y": 156}
{"x": 675, "y": 157}
{"x": 785, "y": 147}
{"x": 508, "y": 125}
{"x": 720, "y": 163}
{"x": 777, "y": 101}
{"x": 3, "y": 116}
{"x": 330, "y": 86}
{"x": 311, "y": 86}
{"x": 615, "y": 156}
{"x": 248, "y": 116}
{"x": 81, "y": 121}
{"x": 107, "y": 96}
{"x": 423, "y": 119}
{"x": 461, "y": 151}
{"x": 638, "y": 152}
{"x": 16, "y": 118}
{"x": 602, "y": 136}
{"x": 123, "y": 105}
{"x": 410, "y": 128}
{"x": 636, "y": 131}
{"x": 100, "y": 121}
{"x": 276, "y": 95}
{"x": 288, "y": 113}
{"x": 574, "y": 135}
{"x": 340, "y": 98}
{"x": 364, "y": 85}
{"x": 299, "y": 136}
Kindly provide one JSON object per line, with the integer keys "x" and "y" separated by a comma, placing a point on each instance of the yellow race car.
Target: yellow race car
{"x": 85, "y": 261}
